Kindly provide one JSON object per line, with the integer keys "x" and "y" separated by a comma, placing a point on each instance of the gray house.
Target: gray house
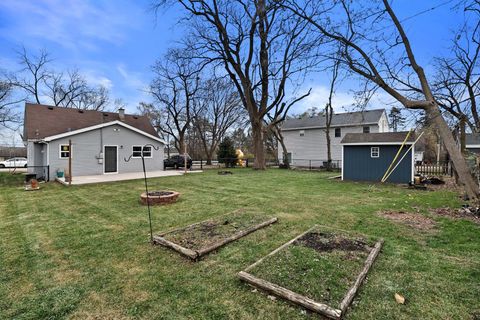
{"x": 367, "y": 156}
{"x": 100, "y": 141}
{"x": 306, "y": 140}
{"x": 472, "y": 142}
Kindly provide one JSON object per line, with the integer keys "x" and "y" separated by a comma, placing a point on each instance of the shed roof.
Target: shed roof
{"x": 378, "y": 138}
{"x": 42, "y": 121}
{"x": 338, "y": 119}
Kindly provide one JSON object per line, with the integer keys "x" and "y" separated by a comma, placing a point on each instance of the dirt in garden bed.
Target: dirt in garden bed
{"x": 206, "y": 233}
{"x": 326, "y": 242}
{"x": 414, "y": 220}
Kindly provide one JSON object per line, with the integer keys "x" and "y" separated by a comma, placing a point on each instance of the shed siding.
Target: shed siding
{"x": 87, "y": 146}
{"x": 358, "y": 165}
{"x": 474, "y": 150}
{"x": 313, "y": 145}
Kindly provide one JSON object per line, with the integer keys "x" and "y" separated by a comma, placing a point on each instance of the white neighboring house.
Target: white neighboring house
{"x": 306, "y": 141}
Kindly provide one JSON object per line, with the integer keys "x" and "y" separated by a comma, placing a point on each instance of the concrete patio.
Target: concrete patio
{"x": 122, "y": 177}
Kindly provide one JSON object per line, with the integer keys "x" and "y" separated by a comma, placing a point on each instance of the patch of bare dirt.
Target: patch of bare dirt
{"x": 414, "y": 220}
{"x": 464, "y": 213}
{"x": 449, "y": 184}
{"x": 326, "y": 242}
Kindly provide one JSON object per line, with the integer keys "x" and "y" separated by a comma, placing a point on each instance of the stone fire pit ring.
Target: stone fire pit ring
{"x": 160, "y": 197}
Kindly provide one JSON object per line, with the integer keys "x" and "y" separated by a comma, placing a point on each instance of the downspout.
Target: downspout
{"x": 100, "y": 154}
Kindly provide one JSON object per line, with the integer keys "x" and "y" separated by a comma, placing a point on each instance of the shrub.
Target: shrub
{"x": 226, "y": 153}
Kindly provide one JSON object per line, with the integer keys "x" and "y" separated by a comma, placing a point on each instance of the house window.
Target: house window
{"x": 64, "y": 151}
{"x": 375, "y": 152}
{"x": 137, "y": 152}
{"x": 302, "y": 133}
{"x": 366, "y": 129}
{"x": 338, "y": 132}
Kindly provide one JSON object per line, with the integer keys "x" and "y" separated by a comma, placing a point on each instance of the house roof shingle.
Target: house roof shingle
{"x": 382, "y": 137}
{"x": 42, "y": 121}
{"x": 338, "y": 119}
{"x": 472, "y": 138}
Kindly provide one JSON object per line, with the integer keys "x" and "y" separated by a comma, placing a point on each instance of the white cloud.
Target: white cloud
{"x": 93, "y": 78}
{"x": 132, "y": 79}
{"x": 71, "y": 23}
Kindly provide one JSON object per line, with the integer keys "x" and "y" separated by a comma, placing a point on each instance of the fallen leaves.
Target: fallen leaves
{"x": 399, "y": 298}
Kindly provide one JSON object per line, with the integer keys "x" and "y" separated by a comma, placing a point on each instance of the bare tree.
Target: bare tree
{"x": 34, "y": 73}
{"x": 72, "y": 91}
{"x": 260, "y": 46}
{"x": 371, "y": 36}
{"x": 8, "y": 115}
{"x": 219, "y": 110}
{"x": 175, "y": 89}
{"x": 274, "y": 121}
{"x": 329, "y": 112}
{"x": 44, "y": 85}
{"x": 276, "y": 131}
{"x": 458, "y": 79}
{"x": 153, "y": 113}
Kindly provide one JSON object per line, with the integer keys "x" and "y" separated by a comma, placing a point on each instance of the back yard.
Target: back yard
{"x": 83, "y": 252}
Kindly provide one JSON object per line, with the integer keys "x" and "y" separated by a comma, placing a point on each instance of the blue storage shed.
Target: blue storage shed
{"x": 367, "y": 156}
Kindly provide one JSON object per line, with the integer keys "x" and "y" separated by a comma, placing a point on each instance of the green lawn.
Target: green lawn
{"x": 83, "y": 252}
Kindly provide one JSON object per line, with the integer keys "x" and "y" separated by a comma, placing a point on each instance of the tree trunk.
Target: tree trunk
{"x": 181, "y": 144}
{"x": 329, "y": 149}
{"x": 258, "y": 148}
{"x": 459, "y": 163}
{"x": 463, "y": 146}
{"x": 286, "y": 163}
{"x": 209, "y": 158}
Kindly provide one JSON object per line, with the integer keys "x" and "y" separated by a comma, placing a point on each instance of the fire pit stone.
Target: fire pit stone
{"x": 160, "y": 197}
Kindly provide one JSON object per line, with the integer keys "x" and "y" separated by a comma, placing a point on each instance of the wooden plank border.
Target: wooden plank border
{"x": 347, "y": 300}
{"x": 235, "y": 236}
{"x": 196, "y": 254}
{"x": 304, "y": 301}
{"x": 291, "y": 296}
{"x": 185, "y": 251}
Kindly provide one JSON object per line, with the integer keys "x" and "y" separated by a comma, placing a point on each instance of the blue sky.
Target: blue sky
{"x": 115, "y": 42}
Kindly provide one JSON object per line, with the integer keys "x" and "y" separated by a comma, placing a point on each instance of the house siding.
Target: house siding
{"x": 37, "y": 159}
{"x": 313, "y": 145}
{"x": 87, "y": 146}
{"x": 358, "y": 165}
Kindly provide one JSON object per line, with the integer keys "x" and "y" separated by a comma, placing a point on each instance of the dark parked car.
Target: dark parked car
{"x": 177, "y": 161}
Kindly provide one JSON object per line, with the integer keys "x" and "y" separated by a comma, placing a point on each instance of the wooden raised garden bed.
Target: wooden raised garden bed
{"x": 199, "y": 239}
{"x": 320, "y": 270}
